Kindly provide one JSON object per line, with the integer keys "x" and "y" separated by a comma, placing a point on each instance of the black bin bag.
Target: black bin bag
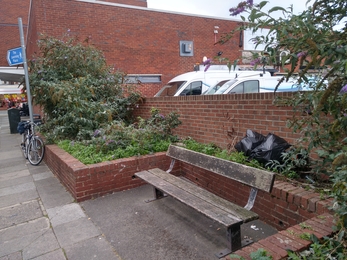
{"x": 270, "y": 149}
{"x": 249, "y": 142}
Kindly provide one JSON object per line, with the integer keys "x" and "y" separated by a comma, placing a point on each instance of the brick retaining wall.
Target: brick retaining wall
{"x": 224, "y": 119}
{"x": 285, "y": 208}
{"x": 91, "y": 181}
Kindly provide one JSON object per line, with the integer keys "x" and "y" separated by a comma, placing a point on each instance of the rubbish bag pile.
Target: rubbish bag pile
{"x": 262, "y": 148}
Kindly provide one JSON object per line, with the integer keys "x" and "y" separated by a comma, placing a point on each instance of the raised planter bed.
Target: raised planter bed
{"x": 284, "y": 208}
{"x": 91, "y": 181}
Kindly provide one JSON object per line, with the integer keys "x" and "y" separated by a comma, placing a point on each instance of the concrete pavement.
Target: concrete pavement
{"x": 40, "y": 220}
{"x": 38, "y": 217}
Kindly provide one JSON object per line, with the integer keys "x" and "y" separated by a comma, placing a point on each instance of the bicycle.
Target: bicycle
{"x": 32, "y": 145}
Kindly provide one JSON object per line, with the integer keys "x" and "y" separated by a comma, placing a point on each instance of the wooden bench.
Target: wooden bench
{"x": 225, "y": 212}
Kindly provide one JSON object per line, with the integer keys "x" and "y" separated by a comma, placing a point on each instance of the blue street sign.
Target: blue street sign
{"x": 15, "y": 56}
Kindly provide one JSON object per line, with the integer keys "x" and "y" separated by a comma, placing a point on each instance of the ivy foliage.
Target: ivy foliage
{"x": 76, "y": 89}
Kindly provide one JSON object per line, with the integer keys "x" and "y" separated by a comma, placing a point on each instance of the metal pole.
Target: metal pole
{"x": 20, "y": 25}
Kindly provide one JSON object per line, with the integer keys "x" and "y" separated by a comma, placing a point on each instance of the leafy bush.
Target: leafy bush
{"x": 75, "y": 88}
{"x": 119, "y": 140}
{"x": 294, "y": 161}
{"x": 311, "y": 40}
{"x": 260, "y": 254}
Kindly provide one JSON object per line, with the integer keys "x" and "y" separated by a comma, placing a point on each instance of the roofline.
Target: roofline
{"x": 158, "y": 10}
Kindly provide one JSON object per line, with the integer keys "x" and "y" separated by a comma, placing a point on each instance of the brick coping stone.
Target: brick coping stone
{"x": 290, "y": 239}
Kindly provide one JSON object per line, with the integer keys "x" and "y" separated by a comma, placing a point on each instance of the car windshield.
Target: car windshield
{"x": 170, "y": 89}
{"x": 213, "y": 89}
{"x": 225, "y": 86}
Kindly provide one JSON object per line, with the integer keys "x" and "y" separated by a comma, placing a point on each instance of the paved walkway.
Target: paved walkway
{"x": 40, "y": 220}
{"x": 38, "y": 217}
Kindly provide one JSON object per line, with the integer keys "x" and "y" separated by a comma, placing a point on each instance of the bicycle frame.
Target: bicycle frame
{"x": 32, "y": 145}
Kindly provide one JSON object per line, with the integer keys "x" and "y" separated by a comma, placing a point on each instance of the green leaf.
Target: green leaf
{"x": 341, "y": 235}
{"x": 262, "y": 4}
{"x": 277, "y": 8}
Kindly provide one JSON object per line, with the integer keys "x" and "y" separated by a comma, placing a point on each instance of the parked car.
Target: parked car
{"x": 198, "y": 82}
{"x": 256, "y": 84}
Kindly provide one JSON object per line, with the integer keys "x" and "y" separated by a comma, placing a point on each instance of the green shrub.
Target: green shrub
{"x": 119, "y": 140}
{"x": 75, "y": 88}
{"x": 311, "y": 40}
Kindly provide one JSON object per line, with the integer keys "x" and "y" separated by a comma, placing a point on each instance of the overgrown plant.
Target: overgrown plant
{"x": 76, "y": 89}
{"x": 213, "y": 150}
{"x": 294, "y": 161}
{"x": 120, "y": 140}
{"x": 260, "y": 254}
{"x": 312, "y": 41}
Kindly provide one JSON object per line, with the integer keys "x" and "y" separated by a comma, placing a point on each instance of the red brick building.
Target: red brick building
{"x": 135, "y": 39}
{"x": 9, "y": 30}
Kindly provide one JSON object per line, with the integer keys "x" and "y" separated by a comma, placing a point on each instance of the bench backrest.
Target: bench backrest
{"x": 250, "y": 176}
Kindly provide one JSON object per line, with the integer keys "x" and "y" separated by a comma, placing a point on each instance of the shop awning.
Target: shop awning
{"x": 11, "y": 74}
{"x": 10, "y": 89}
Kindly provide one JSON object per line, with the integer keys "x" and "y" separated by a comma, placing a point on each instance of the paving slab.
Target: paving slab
{"x": 10, "y": 155}
{"x": 14, "y": 175}
{"x": 12, "y": 165}
{"x": 30, "y": 238}
{"x": 19, "y": 243}
{"x": 20, "y": 197}
{"x": 13, "y": 256}
{"x": 44, "y": 244}
{"x": 42, "y": 175}
{"x": 55, "y": 255}
{"x": 16, "y": 165}
{"x": 75, "y": 231}
{"x": 15, "y": 181}
{"x": 17, "y": 189}
{"x": 53, "y": 193}
{"x": 93, "y": 248}
{"x": 64, "y": 214}
{"x": 41, "y": 168}
{"x": 37, "y": 225}
{"x": 20, "y": 213}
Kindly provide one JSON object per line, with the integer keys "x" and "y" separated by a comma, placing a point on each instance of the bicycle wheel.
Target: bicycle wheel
{"x": 36, "y": 150}
{"x": 25, "y": 145}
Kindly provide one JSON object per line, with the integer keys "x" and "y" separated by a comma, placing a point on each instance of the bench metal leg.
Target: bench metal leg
{"x": 234, "y": 238}
{"x": 158, "y": 194}
{"x": 234, "y": 241}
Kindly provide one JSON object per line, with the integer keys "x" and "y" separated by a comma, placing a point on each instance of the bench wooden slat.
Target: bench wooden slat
{"x": 202, "y": 206}
{"x": 257, "y": 178}
{"x": 231, "y": 208}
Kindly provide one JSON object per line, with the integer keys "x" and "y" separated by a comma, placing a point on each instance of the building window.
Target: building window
{"x": 143, "y": 78}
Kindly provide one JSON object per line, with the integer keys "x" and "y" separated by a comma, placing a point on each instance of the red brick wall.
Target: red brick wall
{"x": 91, "y": 181}
{"x": 209, "y": 118}
{"x": 135, "y": 40}
{"x": 9, "y": 31}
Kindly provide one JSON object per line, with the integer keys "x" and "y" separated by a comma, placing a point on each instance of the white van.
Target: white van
{"x": 254, "y": 85}
{"x": 197, "y": 82}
